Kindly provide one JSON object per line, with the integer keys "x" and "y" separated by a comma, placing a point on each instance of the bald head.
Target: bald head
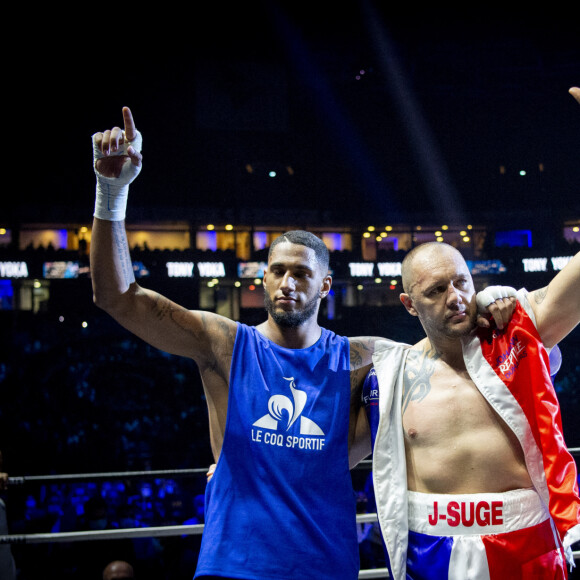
{"x": 439, "y": 290}
{"x": 118, "y": 570}
{"x": 419, "y": 258}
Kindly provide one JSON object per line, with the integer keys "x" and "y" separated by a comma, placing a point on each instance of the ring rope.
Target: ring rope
{"x": 104, "y": 475}
{"x": 20, "y": 480}
{"x": 154, "y": 531}
{"x": 124, "y": 533}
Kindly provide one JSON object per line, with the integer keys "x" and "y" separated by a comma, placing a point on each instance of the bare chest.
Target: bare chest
{"x": 454, "y": 440}
{"x": 441, "y": 403}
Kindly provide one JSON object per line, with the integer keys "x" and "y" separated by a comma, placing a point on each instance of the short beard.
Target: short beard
{"x": 291, "y": 319}
{"x": 454, "y": 332}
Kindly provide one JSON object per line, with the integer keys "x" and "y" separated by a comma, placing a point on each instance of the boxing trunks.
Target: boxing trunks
{"x": 491, "y": 536}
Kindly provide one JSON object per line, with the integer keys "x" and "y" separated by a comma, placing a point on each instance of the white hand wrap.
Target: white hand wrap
{"x": 492, "y": 293}
{"x": 112, "y": 192}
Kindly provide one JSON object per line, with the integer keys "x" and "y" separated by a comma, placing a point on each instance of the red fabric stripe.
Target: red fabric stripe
{"x": 525, "y": 554}
{"x": 519, "y": 359}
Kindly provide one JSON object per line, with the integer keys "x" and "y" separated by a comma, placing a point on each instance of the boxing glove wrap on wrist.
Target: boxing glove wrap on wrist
{"x": 112, "y": 192}
{"x": 492, "y": 293}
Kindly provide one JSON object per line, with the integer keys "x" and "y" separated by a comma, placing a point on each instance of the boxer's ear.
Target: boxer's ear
{"x": 407, "y": 302}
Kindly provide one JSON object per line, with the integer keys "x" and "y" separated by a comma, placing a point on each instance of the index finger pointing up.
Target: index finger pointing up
{"x": 130, "y": 129}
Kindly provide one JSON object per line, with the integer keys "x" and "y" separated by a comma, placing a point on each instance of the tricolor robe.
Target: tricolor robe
{"x": 511, "y": 370}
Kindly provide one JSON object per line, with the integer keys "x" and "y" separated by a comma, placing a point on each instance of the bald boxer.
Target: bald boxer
{"x": 471, "y": 473}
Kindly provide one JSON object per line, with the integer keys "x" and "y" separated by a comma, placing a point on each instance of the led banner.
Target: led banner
{"x": 368, "y": 270}
{"x": 73, "y": 269}
{"x": 204, "y": 269}
{"x": 482, "y": 267}
{"x": 60, "y": 270}
{"x": 251, "y": 269}
{"x": 64, "y": 270}
{"x": 211, "y": 269}
{"x": 13, "y": 270}
{"x": 388, "y": 269}
{"x": 179, "y": 269}
{"x": 535, "y": 264}
{"x": 559, "y": 262}
{"x": 541, "y": 264}
{"x": 393, "y": 269}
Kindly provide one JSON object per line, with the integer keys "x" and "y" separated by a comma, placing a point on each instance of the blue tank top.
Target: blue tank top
{"x": 280, "y": 503}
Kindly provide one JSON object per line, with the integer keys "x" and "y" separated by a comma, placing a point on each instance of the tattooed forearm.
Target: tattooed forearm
{"x": 122, "y": 249}
{"x": 416, "y": 381}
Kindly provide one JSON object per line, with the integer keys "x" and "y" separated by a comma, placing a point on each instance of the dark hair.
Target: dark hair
{"x": 307, "y": 239}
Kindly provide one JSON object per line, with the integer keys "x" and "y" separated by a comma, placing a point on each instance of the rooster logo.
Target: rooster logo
{"x": 283, "y": 412}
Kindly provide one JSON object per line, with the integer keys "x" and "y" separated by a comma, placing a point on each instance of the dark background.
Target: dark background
{"x": 445, "y": 99}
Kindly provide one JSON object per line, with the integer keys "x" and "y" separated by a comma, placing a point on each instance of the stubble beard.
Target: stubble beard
{"x": 292, "y": 319}
{"x": 464, "y": 329}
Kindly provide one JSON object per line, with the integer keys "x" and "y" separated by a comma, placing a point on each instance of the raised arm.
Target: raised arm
{"x": 205, "y": 337}
{"x": 557, "y": 306}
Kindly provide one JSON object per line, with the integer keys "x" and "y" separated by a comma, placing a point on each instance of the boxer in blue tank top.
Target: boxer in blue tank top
{"x": 280, "y": 503}
{"x": 284, "y": 398}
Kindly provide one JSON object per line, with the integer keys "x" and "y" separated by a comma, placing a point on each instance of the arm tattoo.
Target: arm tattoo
{"x": 355, "y": 357}
{"x": 540, "y": 294}
{"x": 162, "y": 307}
{"x": 360, "y": 359}
{"x": 416, "y": 380}
{"x": 122, "y": 248}
{"x": 360, "y": 353}
{"x": 224, "y": 329}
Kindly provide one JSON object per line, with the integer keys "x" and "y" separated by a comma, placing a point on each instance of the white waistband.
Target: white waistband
{"x": 479, "y": 513}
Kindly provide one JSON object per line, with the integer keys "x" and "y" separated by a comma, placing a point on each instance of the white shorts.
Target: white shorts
{"x": 492, "y": 536}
